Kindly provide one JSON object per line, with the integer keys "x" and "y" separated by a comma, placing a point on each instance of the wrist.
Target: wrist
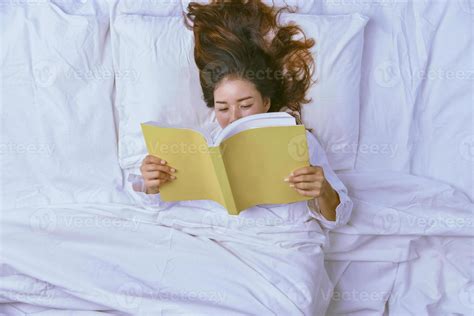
{"x": 328, "y": 201}
{"x": 327, "y": 192}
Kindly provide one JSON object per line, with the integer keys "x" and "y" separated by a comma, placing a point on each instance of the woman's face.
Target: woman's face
{"x": 236, "y": 98}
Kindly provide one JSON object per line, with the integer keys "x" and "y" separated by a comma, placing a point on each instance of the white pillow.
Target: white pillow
{"x": 148, "y": 7}
{"x": 333, "y": 113}
{"x": 158, "y": 80}
{"x": 302, "y": 6}
{"x": 57, "y": 138}
{"x": 177, "y": 7}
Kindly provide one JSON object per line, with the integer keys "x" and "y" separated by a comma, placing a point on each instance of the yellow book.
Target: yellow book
{"x": 242, "y": 167}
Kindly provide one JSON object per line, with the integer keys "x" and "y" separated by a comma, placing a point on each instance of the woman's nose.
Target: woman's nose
{"x": 235, "y": 115}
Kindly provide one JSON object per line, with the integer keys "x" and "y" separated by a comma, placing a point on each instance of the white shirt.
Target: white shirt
{"x": 298, "y": 211}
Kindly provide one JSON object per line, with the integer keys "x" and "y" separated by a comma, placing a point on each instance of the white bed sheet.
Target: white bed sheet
{"x": 417, "y": 120}
{"x": 77, "y": 257}
{"x": 417, "y": 88}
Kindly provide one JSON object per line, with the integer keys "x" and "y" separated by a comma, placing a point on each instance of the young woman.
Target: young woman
{"x": 251, "y": 64}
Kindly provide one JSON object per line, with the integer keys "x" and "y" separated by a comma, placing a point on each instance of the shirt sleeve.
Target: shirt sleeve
{"x": 344, "y": 209}
{"x": 138, "y": 191}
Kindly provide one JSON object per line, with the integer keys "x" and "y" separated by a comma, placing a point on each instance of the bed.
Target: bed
{"x": 77, "y": 76}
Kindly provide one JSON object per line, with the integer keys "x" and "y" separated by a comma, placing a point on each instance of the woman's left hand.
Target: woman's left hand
{"x": 310, "y": 181}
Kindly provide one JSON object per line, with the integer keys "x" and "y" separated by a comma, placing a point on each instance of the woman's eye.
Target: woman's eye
{"x": 246, "y": 106}
{"x": 222, "y": 110}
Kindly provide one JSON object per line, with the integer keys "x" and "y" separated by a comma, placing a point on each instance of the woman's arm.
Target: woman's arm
{"x": 311, "y": 181}
{"x": 331, "y": 204}
{"x": 328, "y": 201}
{"x": 139, "y": 191}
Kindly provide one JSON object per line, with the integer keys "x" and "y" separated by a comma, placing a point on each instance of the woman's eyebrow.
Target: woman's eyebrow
{"x": 239, "y": 100}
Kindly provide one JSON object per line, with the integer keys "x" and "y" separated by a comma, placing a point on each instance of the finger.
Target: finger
{"x": 150, "y": 159}
{"x": 155, "y": 183}
{"x": 312, "y": 193}
{"x": 308, "y": 170}
{"x": 155, "y": 167}
{"x": 305, "y": 185}
{"x": 158, "y": 175}
{"x": 304, "y": 178}
{"x": 299, "y": 171}
{"x": 302, "y": 170}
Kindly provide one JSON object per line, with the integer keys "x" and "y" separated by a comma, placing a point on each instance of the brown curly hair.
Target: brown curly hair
{"x": 244, "y": 39}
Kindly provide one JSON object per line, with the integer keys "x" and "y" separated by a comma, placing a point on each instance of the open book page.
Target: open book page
{"x": 258, "y": 159}
{"x": 254, "y": 121}
{"x": 205, "y": 131}
{"x": 188, "y": 152}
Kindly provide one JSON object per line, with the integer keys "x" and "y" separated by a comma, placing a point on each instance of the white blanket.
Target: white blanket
{"x": 79, "y": 257}
{"x": 84, "y": 256}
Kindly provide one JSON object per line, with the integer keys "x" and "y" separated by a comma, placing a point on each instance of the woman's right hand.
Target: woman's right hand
{"x": 156, "y": 172}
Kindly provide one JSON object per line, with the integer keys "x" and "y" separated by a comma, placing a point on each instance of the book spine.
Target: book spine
{"x": 221, "y": 173}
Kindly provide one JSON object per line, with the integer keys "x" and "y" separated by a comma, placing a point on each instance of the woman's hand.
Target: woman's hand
{"x": 155, "y": 172}
{"x": 310, "y": 181}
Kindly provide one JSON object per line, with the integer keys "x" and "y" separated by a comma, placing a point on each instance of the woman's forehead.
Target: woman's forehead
{"x": 235, "y": 88}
